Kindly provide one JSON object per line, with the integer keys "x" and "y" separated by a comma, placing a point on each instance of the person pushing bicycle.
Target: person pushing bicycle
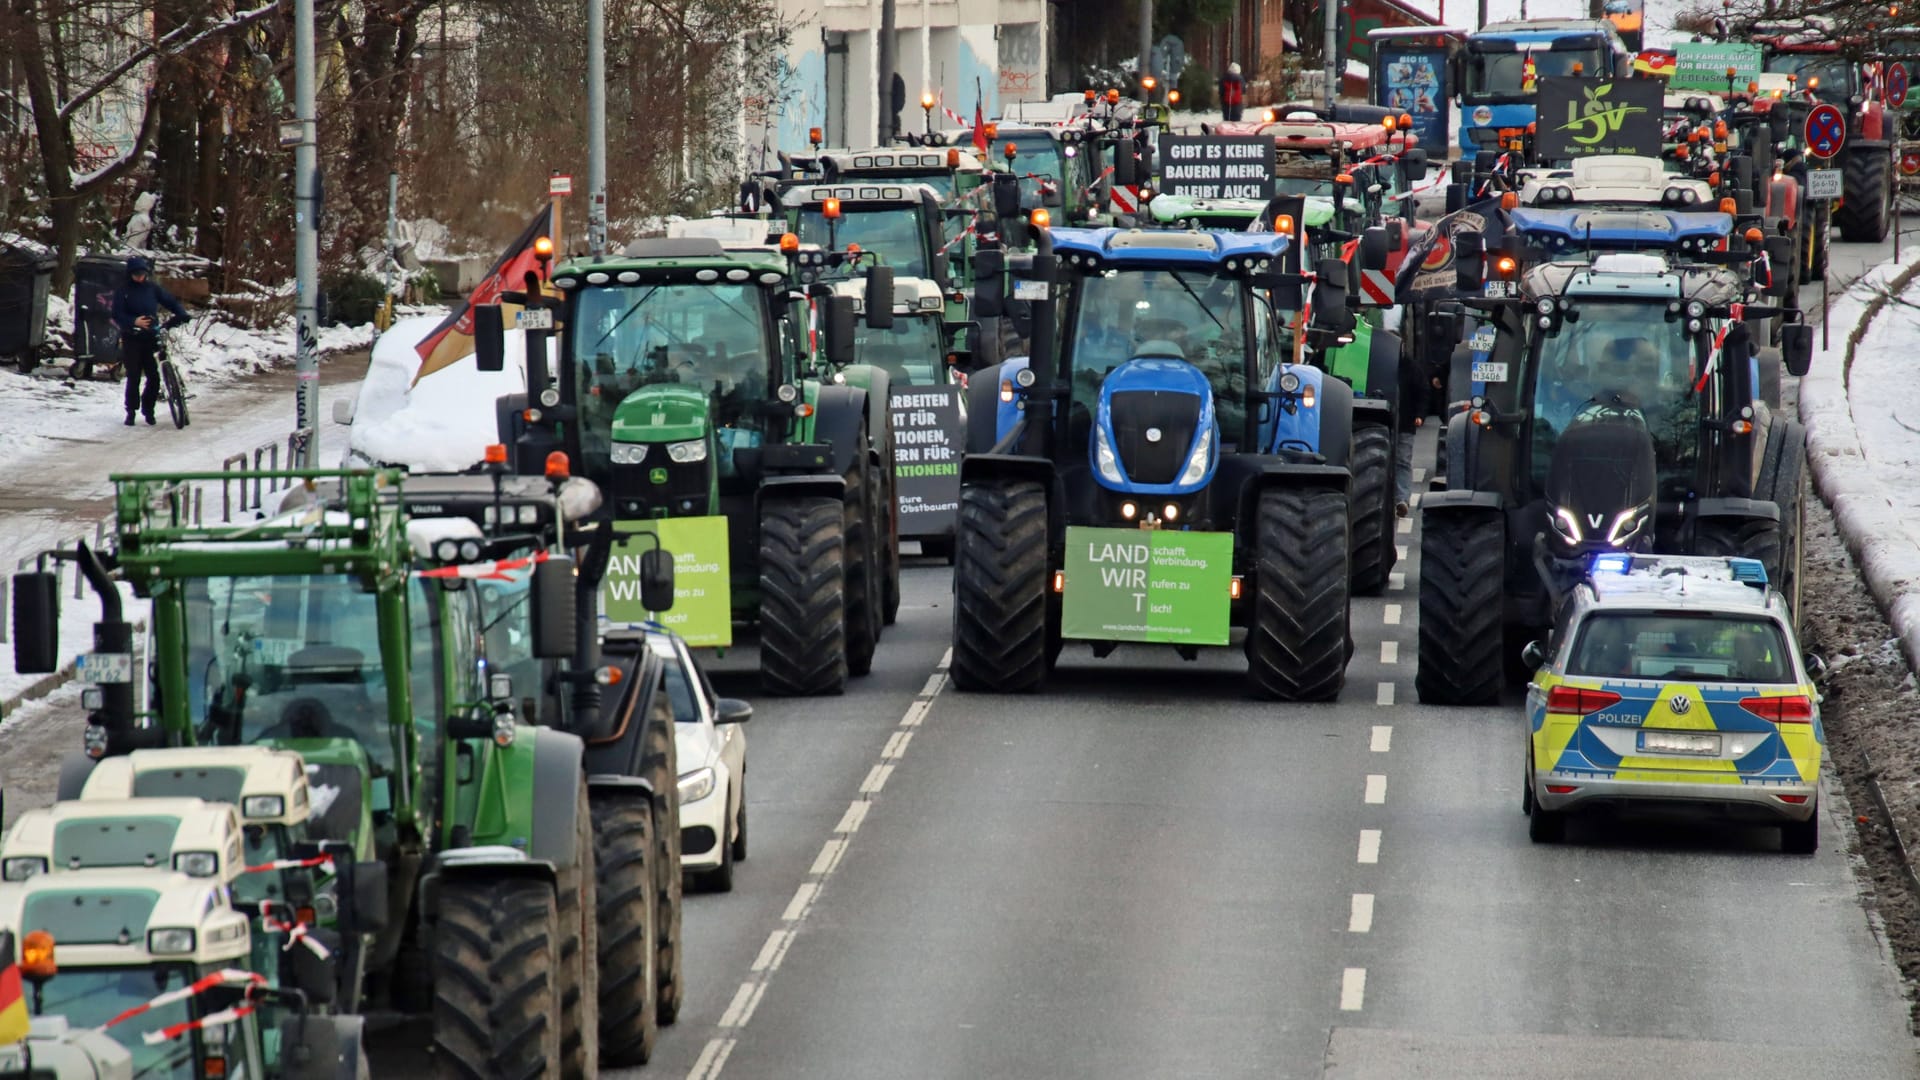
{"x": 136, "y": 311}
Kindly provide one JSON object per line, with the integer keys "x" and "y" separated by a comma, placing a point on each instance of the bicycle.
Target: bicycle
{"x": 170, "y": 381}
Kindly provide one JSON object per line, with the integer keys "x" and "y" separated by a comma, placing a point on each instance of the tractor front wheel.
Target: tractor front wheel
{"x": 1462, "y": 564}
{"x": 623, "y": 867}
{"x": 496, "y": 989}
{"x": 1298, "y": 645}
{"x": 1374, "y": 552}
{"x": 1867, "y": 196}
{"x": 803, "y": 604}
{"x": 1000, "y": 588}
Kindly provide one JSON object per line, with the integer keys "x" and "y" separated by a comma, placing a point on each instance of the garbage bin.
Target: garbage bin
{"x": 24, "y": 274}
{"x": 96, "y": 278}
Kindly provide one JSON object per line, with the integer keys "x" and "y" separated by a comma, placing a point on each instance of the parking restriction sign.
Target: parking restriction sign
{"x": 1896, "y": 84}
{"x": 1826, "y": 131}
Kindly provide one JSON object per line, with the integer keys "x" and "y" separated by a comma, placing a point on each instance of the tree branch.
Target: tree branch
{"x": 173, "y": 44}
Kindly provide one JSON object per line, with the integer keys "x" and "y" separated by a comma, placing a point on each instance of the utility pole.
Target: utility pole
{"x": 1483, "y": 13}
{"x": 306, "y": 239}
{"x": 1331, "y": 14}
{"x": 1145, "y": 66}
{"x": 597, "y": 127}
{"x": 887, "y": 54}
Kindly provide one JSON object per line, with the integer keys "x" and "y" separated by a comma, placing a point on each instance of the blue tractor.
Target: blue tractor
{"x": 1159, "y": 469}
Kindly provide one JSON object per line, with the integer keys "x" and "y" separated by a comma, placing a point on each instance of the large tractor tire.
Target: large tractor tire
{"x": 886, "y": 516}
{"x": 496, "y": 988}
{"x": 669, "y": 890}
{"x": 578, "y": 892}
{"x": 803, "y": 606}
{"x": 1298, "y": 646}
{"x": 865, "y": 573}
{"x": 1746, "y": 538}
{"x": 1867, "y": 174}
{"x": 1374, "y": 552}
{"x": 1000, "y": 588}
{"x": 624, "y": 866}
{"x": 1462, "y": 567}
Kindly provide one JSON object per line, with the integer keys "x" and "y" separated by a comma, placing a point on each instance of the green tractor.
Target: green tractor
{"x": 473, "y": 857}
{"x": 691, "y": 390}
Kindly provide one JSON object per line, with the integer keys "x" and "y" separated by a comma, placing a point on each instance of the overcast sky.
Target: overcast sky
{"x": 1660, "y": 14}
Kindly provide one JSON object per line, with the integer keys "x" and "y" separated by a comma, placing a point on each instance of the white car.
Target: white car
{"x": 713, "y": 768}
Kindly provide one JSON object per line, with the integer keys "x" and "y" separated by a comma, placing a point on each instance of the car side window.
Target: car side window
{"x": 702, "y": 691}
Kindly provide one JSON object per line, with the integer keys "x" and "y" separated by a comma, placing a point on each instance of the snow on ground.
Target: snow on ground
{"x": 444, "y": 422}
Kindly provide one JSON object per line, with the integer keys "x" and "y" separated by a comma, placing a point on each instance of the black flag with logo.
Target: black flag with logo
{"x": 1427, "y": 272}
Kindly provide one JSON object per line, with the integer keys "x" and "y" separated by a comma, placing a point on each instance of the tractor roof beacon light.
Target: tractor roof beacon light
{"x": 953, "y": 158}
{"x": 36, "y": 955}
{"x": 496, "y": 454}
{"x": 558, "y": 467}
{"x": 1113, "y": 96}
{"x": 1011, "y": 151}
{"x": 1283, "y": 224}
{"x": 1173, "y": 97}
{"x": 830, "y": 209}
{"x": 814, "y": 137}
{"x": 1041, "y": 219}
{"x": 789, "y": 243}
{"x": 543, "y": 251}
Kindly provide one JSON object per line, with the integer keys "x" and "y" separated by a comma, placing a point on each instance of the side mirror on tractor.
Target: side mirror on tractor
{"x": 1413, "y": 165}
{"x": 554, "y": 625}
{"x": 1780, "y": 256}
{"x": 1374, "y": 247}
{"x": 1126, "y": 168}
{"x": 489, "y": 338}
{"x": 841, "y": 327}
{"x": 1796, "y": 348}
{"x": 36, "y": 622}
{"x": 1006, "y": 195}
{"x": 656, "y": 580}
{"x": 1469, "y": 261}
{"x": 879, "y": 297}
{"x": 989, "y": 283}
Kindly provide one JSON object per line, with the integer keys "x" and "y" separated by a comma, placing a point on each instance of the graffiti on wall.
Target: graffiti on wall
{"x": 1023, "y": 71}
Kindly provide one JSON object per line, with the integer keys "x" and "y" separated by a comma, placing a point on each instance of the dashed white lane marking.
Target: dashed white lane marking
{"x": 1389, "y": 652}
{"x": 915, "y": 714}
{"x": 745, "y": 1000}
{"x": 1419, "y": 474}
{"x": 896, "y": 747}
{"x": 946, "y": 661}
{"x": 802, "y": 900}
{"x": 712, "y": 1059}
{"x": 876, "y": 779}
{"x": 856, "y": 813}
{"x": 1392, "y": 616}
{"x": 1382, "y": 742}
{"x": 829, "y": 857}
{"x": 772, "y": 951}
{"x": 934, "y": 682}
{"x": 1369, "y": 845}
{"x": 1384, "y": 696}
{"x": 1396, "y": 581}
{"x": 1404, "y": 527}
{"x": 1353, "y": 989}
{"x": 1376, "y": 789}
{"x": 1401, "y": 550}
{"x": 1360, "y": 920}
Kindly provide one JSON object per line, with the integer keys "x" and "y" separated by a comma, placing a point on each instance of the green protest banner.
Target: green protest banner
{"x": 1147, "y": 585}
{"x": 1702, "y": 65}
{"x": 702, "y": 579}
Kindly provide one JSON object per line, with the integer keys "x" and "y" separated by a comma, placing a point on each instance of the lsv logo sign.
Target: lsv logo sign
{"x": 1597, "y": 118}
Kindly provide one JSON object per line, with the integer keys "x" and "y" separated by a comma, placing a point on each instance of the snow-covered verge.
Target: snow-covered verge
{"x": 443, "y": 422}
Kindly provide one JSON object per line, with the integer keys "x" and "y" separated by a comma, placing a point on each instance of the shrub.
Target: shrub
{"x": 350, "y": 298}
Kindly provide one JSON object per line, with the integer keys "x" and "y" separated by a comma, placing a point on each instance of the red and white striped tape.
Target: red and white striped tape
{"x": 298, "y": 933}
{"x": 225, "y": 977}
{"x": 289, "y": 864}
{"x": 498, "y": 570}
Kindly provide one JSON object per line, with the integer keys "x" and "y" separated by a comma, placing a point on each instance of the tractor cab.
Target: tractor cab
{"x": 915, "y": 349}
{"x": 901, "y": 224}
{"x": 950, "y": 171}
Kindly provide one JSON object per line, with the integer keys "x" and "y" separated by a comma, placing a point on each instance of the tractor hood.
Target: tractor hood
{"x": 662, "y": 414}
{"x": 1154, "y": 433}
{"x": 1600, "y": 486}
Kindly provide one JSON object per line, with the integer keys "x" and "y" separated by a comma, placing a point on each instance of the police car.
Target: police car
{"x": 1674, "y": 682}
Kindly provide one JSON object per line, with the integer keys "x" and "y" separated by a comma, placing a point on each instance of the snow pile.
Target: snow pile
{"x": 443, "y": 423}
{"x": 206, "y": 346}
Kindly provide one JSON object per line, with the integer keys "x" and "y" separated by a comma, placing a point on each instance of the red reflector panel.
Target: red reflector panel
{"x": 1561, "y": 789}
{"x": 1789, "y": 709}
{"x": 1579, "y": 700}
{"x": 1794, "y": 799}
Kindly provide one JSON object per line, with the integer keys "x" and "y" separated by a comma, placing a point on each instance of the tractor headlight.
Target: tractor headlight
{"x": 696, "y": 785}
{"x": 1566, "y": 525}
{"x": 447, "y": 551}
{"x": 170, "y": 942}
{"x": 1696, "y": 309}
{"x": 21, "y": 868}
{"x": 1544, "y": 305}
{"x": 686, "y": 453}
{"x": 470, "y": 550}
{"x": 788, "y": 393}
{"x": 1104, "y": 459}
{"x": 1290, "y": 383}
{"x": 629, "y": 453}
{"x": 1626, "y": 525}
{"x": 197, "y": 863}
{"x": 263, "y": 806}
{"x": 1201, "y": 458}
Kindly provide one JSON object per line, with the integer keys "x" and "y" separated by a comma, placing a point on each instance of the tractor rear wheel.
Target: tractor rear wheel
{"x": 886, "y": 524}
{"x": 803, "y": 603}
{"x": 1374, "y": 552}
{"x": 623, "y": 854}
{"x": 1746, "y": 538}
{"x": 1298, "y": 646}
{"x": 1867, "y": 175}
{"x": 864, "y": 571}
{"x": 1462, "y": 570}
{"x": 496, "y": 993}
{"x": 1000, "y": 588}
{"x": 580, "y": 953}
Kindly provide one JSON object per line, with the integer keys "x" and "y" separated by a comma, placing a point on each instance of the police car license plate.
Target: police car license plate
{"x": 534, "y": 319}
{"x": 1490, "y": 371}
{"x": 1679, "y": 742}
{"x": 1502, "y": 290}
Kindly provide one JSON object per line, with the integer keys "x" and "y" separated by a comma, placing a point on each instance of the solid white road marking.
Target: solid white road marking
{"x": 934, "y": 682}
{"x": 1385, "y": 694}
{"x": 1392, "y": 617}
{"x": 1382, "y": 742}
{"x": 1396, "y": 581}
{"x": 1369, "y": 845}
{"x": 1376, "y": 789}
{"x": 1389, "y": 652}
{"x": 1361, "y": 919}
{"x": 828, "y": 858}
{"x": 775, "y": 947}
{"x": 876, "y": 779}
{"x": 712, "y": 1059}
{"x": 1353, "y": 989}
{"x": 946, "y": 658}
{"x": 856, "y": 813}
{"x": 802, "y": 900}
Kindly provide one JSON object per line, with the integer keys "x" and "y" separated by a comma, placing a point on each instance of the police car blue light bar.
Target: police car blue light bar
{"x": 1748, "y": 571}
{"x": 1611, "y": 562}
{"x": 1618, "y": 228}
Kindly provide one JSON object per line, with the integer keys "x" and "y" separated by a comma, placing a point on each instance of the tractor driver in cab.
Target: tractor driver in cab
{"x": 1625, "y": 371}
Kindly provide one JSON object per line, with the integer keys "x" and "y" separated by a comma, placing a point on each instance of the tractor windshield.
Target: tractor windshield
{"x": 1504, "y": 73}
{"x": 90, "y": 996}
{"x": 912, "y": 351}
{"x": 298, "y": 657}
{"x": 889, "y": 231}
{"x": 1834, "y": 71}
{"x": 1039, "y": 158}
{"x": 1620, "y": 360}
{"x": 715, "y": 337}
{"x": 1195, "y": 315}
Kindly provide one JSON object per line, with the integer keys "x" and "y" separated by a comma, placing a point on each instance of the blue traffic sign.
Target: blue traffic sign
{"x": 1896, "y": 84}
{"x": 1826, "y": 131}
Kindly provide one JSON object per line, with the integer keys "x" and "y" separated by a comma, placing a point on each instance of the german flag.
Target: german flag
{"x": 452, "y": 340}
{"x": 13, "y": 1006}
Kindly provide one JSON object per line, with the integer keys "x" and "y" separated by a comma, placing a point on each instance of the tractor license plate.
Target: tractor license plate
{"x": 1490, "y": 371}
{"x": 1680, "y": 742}
{"x": 1824, "y": 184}
{"x": 105, "y": 668}
{"x": 1482, "y": 340}
{"x": 534, "y": 319}
{"x": 1503, "y": 290}
{"x": 1024, "y": 289}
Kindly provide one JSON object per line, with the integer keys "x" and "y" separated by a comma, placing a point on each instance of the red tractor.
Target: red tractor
{"x": 1820, "y": 68}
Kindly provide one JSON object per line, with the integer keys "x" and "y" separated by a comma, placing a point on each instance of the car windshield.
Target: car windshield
{"x": 1620, "y": 360}
{"x": 1697, "y": 647}
{"x": 1191, "y": 314}
{"x": 298, "y": 657}
{"x": 912, "y": 351}
{"x": 1503, "y": 73}
{"x": 891, "y": 231}
{"x": 90, "y": 996}
{"x": 1834, "y": 72}
{"x": 714, "y": 337}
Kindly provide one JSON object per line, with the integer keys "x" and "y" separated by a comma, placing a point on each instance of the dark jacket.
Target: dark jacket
{"x": 137, "y": 298}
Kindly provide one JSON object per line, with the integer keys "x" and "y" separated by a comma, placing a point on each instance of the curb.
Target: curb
{"x": 36, "y": 690}
{"x": 1873, "y": 532}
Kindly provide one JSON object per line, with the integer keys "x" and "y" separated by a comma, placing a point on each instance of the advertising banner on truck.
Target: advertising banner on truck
{"x": 1702, "y": 65}
{"x": 1413, "y": 80}
{"x": 1147, "y": 585}
{"x": 1585, "y": 117}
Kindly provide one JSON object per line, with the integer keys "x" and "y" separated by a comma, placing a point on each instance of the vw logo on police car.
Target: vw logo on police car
{"x": 1153, "y": 434}
{"x": 1680, "y": 703}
